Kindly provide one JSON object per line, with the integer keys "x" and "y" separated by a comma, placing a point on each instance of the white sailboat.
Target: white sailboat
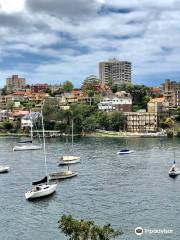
{"x": 4, "y": 169}
{"x": 69, "y": 159}
{"x": 174, "y": 171}
{"x": 27, "y": 145}
{"x": 42, "y": 188}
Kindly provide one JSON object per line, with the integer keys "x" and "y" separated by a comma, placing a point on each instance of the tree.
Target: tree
{"x": 86, "y": 230}
{"x": 7, "y": 125}
{"x": 10, "y": 105}
{"x": 67, "y": 86}
{"x": 167, "y": 123}
{"x": 4, "y": 91}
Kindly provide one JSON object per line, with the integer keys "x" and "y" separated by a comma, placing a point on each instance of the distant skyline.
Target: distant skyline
{"x": 53, "y": 41}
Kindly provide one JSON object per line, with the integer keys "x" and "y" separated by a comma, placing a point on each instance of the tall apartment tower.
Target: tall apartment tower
{"x": 117, "y": 72}
{"x": 15, "y": 83}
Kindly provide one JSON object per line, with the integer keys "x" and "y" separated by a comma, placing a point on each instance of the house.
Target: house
{"x": 121, "y": 101}
{"x": 39, "y": 87}
{"x": 4, "y": 114}
{"x": 29, "y": 119}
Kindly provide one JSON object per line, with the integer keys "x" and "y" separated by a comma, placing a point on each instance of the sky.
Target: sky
{"x": 57, "y": 40}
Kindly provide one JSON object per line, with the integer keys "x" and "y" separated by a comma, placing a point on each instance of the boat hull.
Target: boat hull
{"x": 42, "y": 193}
{"x": 174, "y": 171}
{"x": 4, "y": 169}
{"x": 58, "y": 177}
{"x": 128, "y": 152}
{"x": 174, "y": 174}
{"x": 26, "y": 148}
{"x": 69, "y": 162}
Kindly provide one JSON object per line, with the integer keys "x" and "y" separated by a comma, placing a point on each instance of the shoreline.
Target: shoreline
{"x": 92, "y": 134}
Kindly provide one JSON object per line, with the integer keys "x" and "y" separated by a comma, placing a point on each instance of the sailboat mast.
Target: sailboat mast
{"x": 31, "y": 125}
{"x": 72, "y": 133}
{"x": 44, "y": 144}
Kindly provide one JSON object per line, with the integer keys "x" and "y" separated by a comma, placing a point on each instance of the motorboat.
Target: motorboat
{"x": 66, "y": 160}
{"x": 125, "y": 151}
{"x": 41, "y": 190}
{"x": 62, "y": 175}
{"x": 4, "y": 169}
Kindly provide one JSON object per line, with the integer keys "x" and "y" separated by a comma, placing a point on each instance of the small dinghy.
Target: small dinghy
{"x": 125, "y": 151}
{"x": 4, "y": 169}
{"x": 174, "y": 171}
{"x": 62, "y": 175}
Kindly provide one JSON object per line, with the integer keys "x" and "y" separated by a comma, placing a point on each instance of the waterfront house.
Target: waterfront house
{"x": 121, "y": 101}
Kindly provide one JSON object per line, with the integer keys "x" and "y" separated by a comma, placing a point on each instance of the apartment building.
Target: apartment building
{"x": 15, "y": 83}
{"x": 160, "y": 106}
{"x": 115, "y": 71}
{"x": 171, "y": 92}
{"x": 141, "y": 122}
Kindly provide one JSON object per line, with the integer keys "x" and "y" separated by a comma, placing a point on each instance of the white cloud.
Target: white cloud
{"x": 10, "y": 6}
{"x": 75, "y": 37}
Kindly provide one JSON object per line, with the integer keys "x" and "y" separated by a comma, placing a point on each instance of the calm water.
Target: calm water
{"x": 126, "y": 191}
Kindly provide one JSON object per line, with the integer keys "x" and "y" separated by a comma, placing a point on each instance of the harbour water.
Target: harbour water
{"x": 126, "y": 191}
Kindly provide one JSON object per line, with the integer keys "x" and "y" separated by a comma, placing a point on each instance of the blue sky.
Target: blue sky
{"x": 53, "y": 41}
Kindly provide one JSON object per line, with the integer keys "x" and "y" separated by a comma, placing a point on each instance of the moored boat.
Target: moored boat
{"x": 27, "y": 147}
{"x": 125, "y": 151}
{"x": 62, "y": 175}
{"x": 41, "y": 190}
{"x": 4, "y": 169}
{"x": 69, "y": 159}
{"x": 66, "y": 160}
{"x": 174, "y": 171}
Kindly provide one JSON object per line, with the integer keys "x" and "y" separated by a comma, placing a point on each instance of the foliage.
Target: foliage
{"x": 140, "y": 93}
{"x": 170, "y": 134}
{"x": 167, "y": 123}
{"x": 67, "y": 86}
{"x": 7, "y": 125}
{"x": 178, "y": 114}
{"x": 86, "y": 230}
{"x": 4, "y": 91}
{"x": 10, "y": 105}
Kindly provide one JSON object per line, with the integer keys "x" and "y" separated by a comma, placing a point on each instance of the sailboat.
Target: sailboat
{"x": 41, "y": 188}
{"x": 62, "y": 174}
{"x": 174, "y": 171}
{"x": 69, "y": 159}
{"x": 28, "y": 144}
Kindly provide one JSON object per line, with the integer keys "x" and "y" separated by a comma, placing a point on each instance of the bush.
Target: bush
{"x": 86, "y": 230}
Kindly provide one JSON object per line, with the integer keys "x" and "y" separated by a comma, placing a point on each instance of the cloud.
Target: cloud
{"x": 67, "y": 9}
{"x": 57, "y": 40}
